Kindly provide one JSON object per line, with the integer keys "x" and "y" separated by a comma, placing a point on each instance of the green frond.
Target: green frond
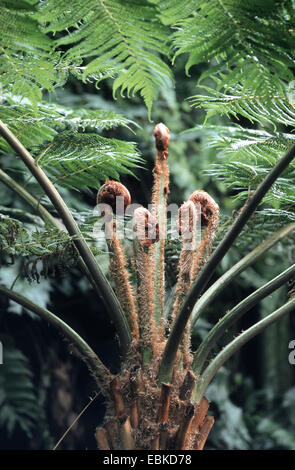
{"x": 84, "y": 160}
{"x": 35, "y": 126}
{"x": 28, "y": 63}
{"x": 239, "y": 101}
{"x": 253, "y": 40}
{"x": 112, "y": 38}
{"x": 45, "y": 251}
{"x": 246, "y": 156}
{"x": 172, "y": 11}
{"x": 73, "y": 158}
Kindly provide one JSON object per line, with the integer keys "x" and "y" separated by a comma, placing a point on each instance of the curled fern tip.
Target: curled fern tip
{"x": 110, "y": 190}
{"x": 162, "y": 136}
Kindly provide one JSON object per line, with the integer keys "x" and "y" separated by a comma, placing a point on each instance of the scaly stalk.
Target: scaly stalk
{"x": 187, "y": 229}
{"x": 123, "y": 288}
{"x": 111, "y": 194}
{"x": 101, "y": 439}
{"x": 184, "y": 427}
{"x": 234, "y": 315}
{"x": 203, "y": 433}
{"x": 159, "y": 203}
{"x": 235, "y": 345}
{"x": 209, "y": 218}
{"x": 146, "y": 233}
{"x": 106, "y": 293}
{"x": 166, "y": 367}
{"x": 187, "y": 224}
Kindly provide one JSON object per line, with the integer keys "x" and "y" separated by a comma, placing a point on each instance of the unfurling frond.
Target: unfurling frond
{"x": 111, "y": 190}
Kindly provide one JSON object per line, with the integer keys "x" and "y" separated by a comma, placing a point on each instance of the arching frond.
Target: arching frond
{"x": 273, "y": 108}
{"x": 34, "y": 126}
{"x": 83, "y": 160}
{"x": 118, "y": 39}
{"x": 252, "y": 42}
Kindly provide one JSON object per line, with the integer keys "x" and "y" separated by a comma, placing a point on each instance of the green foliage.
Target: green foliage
{"x": 42, "y": 42}
{"x": 36, "y": 126}
{"x": 252, "y": 41}
{"x": 84, "y": 160}
{"x": 18, "y": 407}
{"x": 235, "y": 101}
{"x": 60, "y": 139}
{"x": 28, "y": 63}
{"x": 45, "y": 251}
{"x": 246, "y": 156}
{"x": 119, "y": 39}
{"x": 243, "y": 55}
{"x": 250, "y": 77}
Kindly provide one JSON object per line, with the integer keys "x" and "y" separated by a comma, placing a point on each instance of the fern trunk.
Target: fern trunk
{"x": 142, "y": 416}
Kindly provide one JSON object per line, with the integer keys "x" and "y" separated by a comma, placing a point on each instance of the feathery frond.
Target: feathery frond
{"x": 28, "y": 63}
{"x": 35, "y": 126}
{"x": 252, "y": 42}
{"x": 112, "y": 38}
{"x": 83, "y": 160}
{"x": 238, "y": 101}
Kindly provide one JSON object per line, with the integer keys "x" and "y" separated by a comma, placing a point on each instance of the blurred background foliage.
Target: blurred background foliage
{"x": 43, "y": 388}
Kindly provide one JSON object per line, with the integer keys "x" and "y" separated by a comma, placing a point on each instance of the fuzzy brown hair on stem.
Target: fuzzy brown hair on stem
{"x": 120, "y": 275}
{"x": 159, "y": 203}
{"x": 146, "y": 227}
{"x": 187, "y": 215}
{"x": 209, "y": 219}
{"x": 118, "y": 271}
{"x": 146, "y": 231}
{"x": 187, "y": 224}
